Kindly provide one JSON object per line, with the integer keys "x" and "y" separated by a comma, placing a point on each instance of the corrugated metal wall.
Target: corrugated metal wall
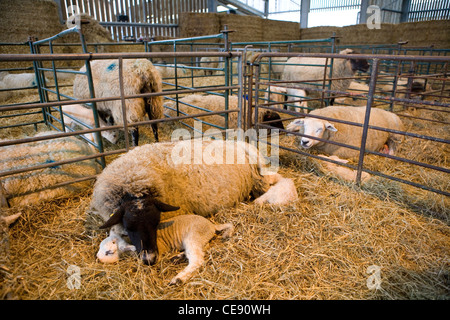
{"x": 334, "y": 5}
{"x": 163, "y": 12}
{"x": 421, "y": 10}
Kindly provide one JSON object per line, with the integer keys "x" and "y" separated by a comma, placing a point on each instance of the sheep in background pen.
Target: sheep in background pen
{"x": 86, "y": 116}
{"x": 227, "y": 173}
{"x": 139, "y": 76}
{"x": 18, "y": 80}
{"x": 356, "y": 88}
{"x": 209, "y": 62}
{"x": 215, "y": 103}
{"x": 284, "y": 95}
{"x": 168, "y": 70}
{"x": 34, "y": 186}
{"x": 342, "y": 68}
{"x": 348, "y": 134}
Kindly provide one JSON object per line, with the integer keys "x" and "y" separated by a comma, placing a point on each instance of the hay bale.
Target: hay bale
{"x": 25, "y": 18}
{"x": 199, "y": 24}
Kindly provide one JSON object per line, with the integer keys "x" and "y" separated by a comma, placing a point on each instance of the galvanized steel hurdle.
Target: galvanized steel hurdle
{"x": 375, "y": 62}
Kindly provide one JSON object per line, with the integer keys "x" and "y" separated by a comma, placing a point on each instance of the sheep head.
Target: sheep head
{"x": 356, "y": 64}
{"x": 311, "y": 127}
{"x": 140, "y": 217}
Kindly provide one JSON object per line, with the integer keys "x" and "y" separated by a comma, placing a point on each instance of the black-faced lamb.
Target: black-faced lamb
{"x": 377, "y": 140}
{"x": 313, "y": 69}
{"x": 151, "y": 237}
{"x": 139, "y": 76}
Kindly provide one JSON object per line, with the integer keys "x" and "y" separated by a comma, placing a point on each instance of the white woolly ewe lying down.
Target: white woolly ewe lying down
{"x": 168, "y": 70}
{"x": 18, "y": 80}
{"x": 62, "y": 76}
{"x": 357, "y": 88}
{"x": 226, "y": 174}
{"x": 210, "y": 62}
{"x": 187, "y": 233}
{"x": 342, "y": 68}
{"x": 86, "y": 116}
{"x": 43, "y": 152}
{"x": 139, "y": 76}
{"x": 348, "y": 134}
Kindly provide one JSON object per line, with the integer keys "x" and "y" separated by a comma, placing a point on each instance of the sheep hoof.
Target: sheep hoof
{"x": 175, "y": 282}
{"x": 178, "y": 258}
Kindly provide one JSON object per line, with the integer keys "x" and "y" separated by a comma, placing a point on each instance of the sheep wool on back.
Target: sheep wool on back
{"x": 197, "y": 188}
{"x": 351, "y": 135}
{"x": 139, "y": 76}
{"x": 31, "y": 185}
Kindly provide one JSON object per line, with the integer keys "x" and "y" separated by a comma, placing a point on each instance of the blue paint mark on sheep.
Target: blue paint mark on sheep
{"x": 51, "y": 161}
{"x": 111, "y": 67}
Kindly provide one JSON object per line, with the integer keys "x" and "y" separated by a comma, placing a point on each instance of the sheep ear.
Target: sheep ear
{"x": 330, "y": 127}
{"x": 115, "y": 218}
{"x": 164, "y": 207}
{"x": 295, "y": 125}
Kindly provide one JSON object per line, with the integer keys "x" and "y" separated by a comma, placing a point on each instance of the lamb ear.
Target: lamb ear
{"x": 115, "y": 218}
{"x": 164, "y": 207}
{"x": 330, "y": 127}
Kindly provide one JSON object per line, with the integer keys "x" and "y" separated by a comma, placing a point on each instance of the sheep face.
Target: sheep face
{"x": 356, "y": 64}
{"x": 271, "y": 116}
{"x": 140, "y": 217}
{"x": 359, "y": 65}
{"x": 311, "y": 127}
{"x": 109, "y": 251}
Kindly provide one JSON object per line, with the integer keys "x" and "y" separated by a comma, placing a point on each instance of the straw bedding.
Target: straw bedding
{"x": 319, "y": 247}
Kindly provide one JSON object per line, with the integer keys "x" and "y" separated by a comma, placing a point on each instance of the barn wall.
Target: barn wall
{"x": 246, "y": 28}
{"x": 421, "y": 34}
{"x": 20, "y": 19}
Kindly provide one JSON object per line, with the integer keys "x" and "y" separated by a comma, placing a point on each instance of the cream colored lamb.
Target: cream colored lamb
{"x": 187, "y": 233}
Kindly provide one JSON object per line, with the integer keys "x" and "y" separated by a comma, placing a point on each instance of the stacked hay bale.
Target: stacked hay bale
{"x": 25, "y": 18}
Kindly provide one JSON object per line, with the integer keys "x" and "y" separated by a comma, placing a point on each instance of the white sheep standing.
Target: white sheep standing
{"x": 313, "y": 69}
{"x": 285, "y": 95}
{"x": 34, "y": 186}
{"x": 139, "y": 76}
{"x": 86, "y": 116}
{"x": 187, "y": 233}
{"x": 348, "y": 134}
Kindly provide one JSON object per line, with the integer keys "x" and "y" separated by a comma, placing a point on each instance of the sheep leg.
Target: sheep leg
{"x": 195, "y": 254}
{"x": 135, "y": 136}
{"x": 155, "y": 131}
